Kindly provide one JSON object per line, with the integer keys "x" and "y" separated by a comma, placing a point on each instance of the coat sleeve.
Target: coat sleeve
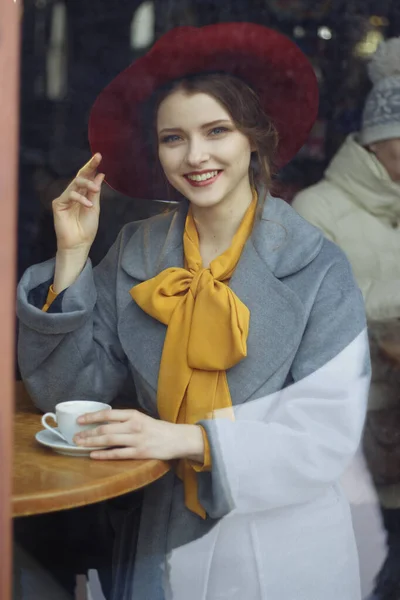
{"x": 289, "y": 447}
{"x": 74, "y": 353}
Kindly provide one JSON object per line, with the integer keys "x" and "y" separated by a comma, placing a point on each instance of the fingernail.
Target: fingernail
{"x": 81, "y": 419}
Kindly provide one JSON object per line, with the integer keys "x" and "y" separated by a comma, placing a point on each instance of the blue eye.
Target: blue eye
{"x": 218, "y": 130}
{"x": 168, "y": 139}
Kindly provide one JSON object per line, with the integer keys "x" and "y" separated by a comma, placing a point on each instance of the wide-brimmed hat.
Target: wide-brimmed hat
{"x": 266, "y": 60}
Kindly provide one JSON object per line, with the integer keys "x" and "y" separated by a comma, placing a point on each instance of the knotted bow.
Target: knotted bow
{"x": 207, "y": 329}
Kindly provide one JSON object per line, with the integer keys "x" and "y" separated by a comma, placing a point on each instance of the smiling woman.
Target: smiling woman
{"x": 207, "y": 165}
{"x": 231, "y": 106}
{"x": 240, "y": 324}
{"x": 215, "y": 143}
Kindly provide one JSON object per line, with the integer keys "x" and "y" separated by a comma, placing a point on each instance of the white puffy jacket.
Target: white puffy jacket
{"x": 357, "y": 206}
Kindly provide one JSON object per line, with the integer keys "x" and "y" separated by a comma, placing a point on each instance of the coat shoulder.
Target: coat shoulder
{"x": 155, "y": 225}
{"x": 336, "y": 263}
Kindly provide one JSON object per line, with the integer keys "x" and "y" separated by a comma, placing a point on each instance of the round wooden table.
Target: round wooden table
{"x": 44, "y": 481}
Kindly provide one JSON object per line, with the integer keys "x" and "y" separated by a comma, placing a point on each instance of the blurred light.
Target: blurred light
{"x": 369, "y": 43}
{"x": 56, "y": 58}
{"x": 378, "y": 21}
{"x": 142, "y": 28}
{"x": 299, "y": 31}
{"x": 324, "y": 33}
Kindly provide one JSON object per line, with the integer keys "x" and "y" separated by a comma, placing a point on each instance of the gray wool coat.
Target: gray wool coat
{"x": 278, "y": 526}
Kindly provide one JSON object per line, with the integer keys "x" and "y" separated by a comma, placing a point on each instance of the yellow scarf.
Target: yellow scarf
{"x": 207, "y": 334}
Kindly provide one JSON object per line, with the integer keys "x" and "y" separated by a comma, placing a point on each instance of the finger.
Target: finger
{"x": 94, "y": 195}
{"x": 108, "y": 415}
{"x": 99, "y": 179}
{"x": 73, "y": 197}
{"x": 114, "y": 454}
{"x": 77, "y": 197}
{"x": 124, "y": 427}
{"x": 113, "y": 439}
{"x": 90, "y": 168}
{"x": 86, "y": 184}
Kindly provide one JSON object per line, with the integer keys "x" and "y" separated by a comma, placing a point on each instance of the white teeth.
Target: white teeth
{"x": 203, "y": 176}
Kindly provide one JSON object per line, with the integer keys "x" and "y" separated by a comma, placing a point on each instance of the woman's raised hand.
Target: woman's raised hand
{"x": 76, "y": 211}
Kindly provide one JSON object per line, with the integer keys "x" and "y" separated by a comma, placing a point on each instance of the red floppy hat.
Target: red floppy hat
{"x": 266, "y": 60}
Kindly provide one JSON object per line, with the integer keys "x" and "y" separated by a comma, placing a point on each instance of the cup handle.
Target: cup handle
{"x": 49, "y": 427}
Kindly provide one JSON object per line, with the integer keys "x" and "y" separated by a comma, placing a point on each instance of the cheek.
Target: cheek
{"x": 170, "y": 161}
{"x": 396, "y": 160}
{"x": 167, "y": 160}
{"x": 385, "y": 159}
{"x": 237, "y": 154}
{"x": 394, "y": 164}
{"x": 243, "y": 157}
{"x": 389, "y": 157}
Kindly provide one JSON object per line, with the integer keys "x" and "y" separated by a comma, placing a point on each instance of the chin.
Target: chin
{"x": 203, "y": 197}
{"x": 207, "y": 201}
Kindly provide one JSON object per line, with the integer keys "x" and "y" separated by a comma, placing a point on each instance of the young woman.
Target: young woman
{"x": 241, "y": 326}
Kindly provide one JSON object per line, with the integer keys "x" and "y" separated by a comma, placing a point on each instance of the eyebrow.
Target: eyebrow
{"x": 205, "y": 126}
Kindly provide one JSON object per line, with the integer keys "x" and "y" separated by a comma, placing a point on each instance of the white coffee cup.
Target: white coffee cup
{"x": 66, "y": 415}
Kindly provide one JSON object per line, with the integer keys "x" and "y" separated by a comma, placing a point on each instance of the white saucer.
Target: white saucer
{"x": 51, "y": 440}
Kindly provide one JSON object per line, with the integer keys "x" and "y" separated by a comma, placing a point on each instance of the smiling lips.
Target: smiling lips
{"x": 202, "y": 178}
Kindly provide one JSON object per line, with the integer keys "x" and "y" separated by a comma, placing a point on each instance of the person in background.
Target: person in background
{"x": 357, "y": 206}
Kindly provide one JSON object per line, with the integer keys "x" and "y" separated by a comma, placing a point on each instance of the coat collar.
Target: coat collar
{"x": 282, "y": 239}
{"x": 282, "y": 243}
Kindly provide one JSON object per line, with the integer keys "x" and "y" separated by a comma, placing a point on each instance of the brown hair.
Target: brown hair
{"x": 243, "y": 105}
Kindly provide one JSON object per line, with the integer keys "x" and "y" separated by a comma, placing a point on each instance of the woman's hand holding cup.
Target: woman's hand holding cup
{"x": 66, "y": 416}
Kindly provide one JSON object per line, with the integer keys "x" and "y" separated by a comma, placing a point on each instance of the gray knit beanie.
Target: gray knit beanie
{"x": 381, "y": 116}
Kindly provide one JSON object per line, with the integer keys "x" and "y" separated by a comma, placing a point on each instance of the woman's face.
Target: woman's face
{"x": 201, "y": 151}
{"x": 388, "y": 153}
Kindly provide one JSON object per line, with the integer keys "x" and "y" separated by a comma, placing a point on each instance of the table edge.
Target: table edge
{"x": 23, "y": 506}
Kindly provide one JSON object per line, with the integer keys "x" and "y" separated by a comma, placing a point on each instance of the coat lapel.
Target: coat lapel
{"x": 276, "y": 249}
{"x": 157, "y": 245}
{"x": 276, "y": 324}
{"x": 282, "y": 243}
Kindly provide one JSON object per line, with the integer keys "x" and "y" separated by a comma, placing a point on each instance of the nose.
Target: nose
{"x": 197, "y": 153}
